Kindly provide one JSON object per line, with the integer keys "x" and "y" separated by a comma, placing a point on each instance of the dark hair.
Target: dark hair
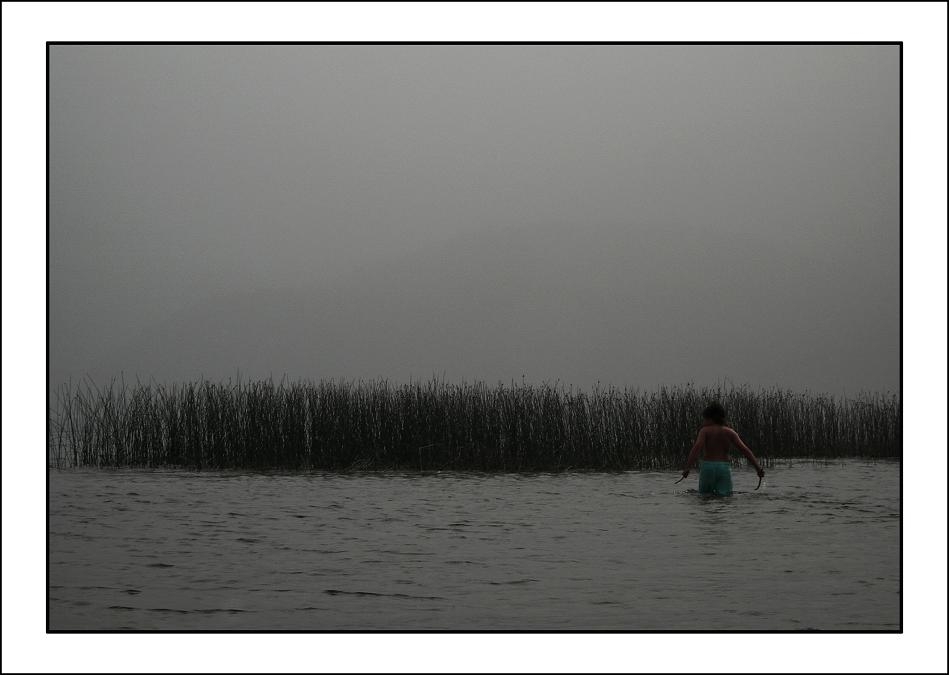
{"x": 715, "y": 412}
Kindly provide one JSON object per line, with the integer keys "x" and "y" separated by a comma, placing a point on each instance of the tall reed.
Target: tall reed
{"x": 340, "y": 425}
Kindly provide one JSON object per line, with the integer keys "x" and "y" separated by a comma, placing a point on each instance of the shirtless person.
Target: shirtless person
{"x": 715, "y": 476}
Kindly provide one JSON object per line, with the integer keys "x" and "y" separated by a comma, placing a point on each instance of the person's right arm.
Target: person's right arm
{"x": 694, "y": 453}
{"x": 746, "y": 451}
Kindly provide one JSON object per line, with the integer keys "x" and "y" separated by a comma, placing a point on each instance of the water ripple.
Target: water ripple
{"x": 227, "y": 551}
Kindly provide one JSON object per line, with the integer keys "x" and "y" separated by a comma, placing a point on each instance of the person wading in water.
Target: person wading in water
{"x": 715, "y": 475}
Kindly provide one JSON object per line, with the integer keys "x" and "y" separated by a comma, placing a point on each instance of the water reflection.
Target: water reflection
{"x": 818, "y": 547}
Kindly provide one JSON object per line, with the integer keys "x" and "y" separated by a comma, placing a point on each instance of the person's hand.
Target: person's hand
{"x": 760, "y": 472}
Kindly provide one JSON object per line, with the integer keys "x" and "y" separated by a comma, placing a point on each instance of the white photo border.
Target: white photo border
{"x": 26, "y": 29}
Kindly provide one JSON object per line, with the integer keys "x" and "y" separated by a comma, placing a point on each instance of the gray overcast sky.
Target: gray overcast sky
{"x": 633, "y": 215}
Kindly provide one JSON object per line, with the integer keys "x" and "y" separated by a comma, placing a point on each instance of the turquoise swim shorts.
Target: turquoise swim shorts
{"x": 715, "y": 478}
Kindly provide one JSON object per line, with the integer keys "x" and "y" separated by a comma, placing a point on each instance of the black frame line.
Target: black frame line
{"x": 549, "y": 2}
{"x": 554, "y": 2}
{"x": 383, "y": 43}
{"x": 47, "y": 468}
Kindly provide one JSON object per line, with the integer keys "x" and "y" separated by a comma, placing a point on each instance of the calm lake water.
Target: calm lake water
{"x": 816, "y": 548}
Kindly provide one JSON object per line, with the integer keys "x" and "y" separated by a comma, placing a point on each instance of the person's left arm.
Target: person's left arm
{"x": 746, "y": 451}
{"x": 694, "y": 452}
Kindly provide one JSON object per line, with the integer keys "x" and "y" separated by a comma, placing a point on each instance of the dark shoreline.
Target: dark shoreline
{"x": 435, "y": 426}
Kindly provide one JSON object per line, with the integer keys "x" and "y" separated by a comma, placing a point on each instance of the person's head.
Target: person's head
{"x": 714, "y": 413}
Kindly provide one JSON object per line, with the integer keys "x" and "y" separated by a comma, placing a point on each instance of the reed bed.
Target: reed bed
{"x": 372, "y": 425}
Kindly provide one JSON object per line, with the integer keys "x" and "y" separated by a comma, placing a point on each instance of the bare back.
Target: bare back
{"x": 714, "y": 441}
{"x": 718, "y": 441}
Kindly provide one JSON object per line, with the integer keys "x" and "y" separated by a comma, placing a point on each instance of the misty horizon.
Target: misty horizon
{"x": 633, "y": 216}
